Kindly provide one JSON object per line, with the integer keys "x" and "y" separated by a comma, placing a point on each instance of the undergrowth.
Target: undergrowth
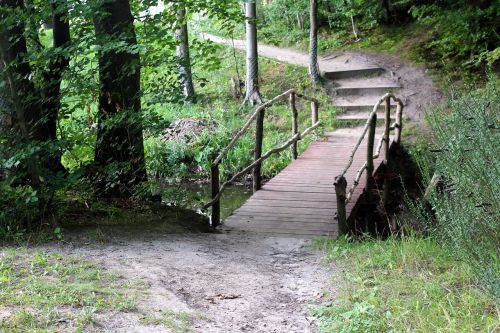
{"x": 180, "y": 160}
{"x": 466, "y": 201}
{"x": 410, "y": 284}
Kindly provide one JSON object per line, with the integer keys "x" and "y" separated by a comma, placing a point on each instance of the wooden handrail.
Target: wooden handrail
{"x": 258, "y": 117}
{"x": 344, "y": 196}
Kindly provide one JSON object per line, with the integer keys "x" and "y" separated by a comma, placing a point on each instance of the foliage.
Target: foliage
{"x": 185, "y": 160}
{"x": 403, "y": 285}
{"x": 467, "y": 209}
{"x": 19, "y": 207}
{"x": 461, "y": 31}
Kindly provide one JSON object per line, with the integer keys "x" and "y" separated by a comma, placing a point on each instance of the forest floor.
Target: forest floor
{"x": 220, "y": 282}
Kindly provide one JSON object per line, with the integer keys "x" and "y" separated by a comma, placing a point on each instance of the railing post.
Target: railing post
{"x": 214, "y": 171}
{"x": 387, "y": 129}
{"x": 314, "y": 112}
{"x": 399, "y": 124}
{"x": 340, "y": 189}
{"x": 259, "y": 134}
{"x": 369, "y": 158}
{"x": 295, "y": 126}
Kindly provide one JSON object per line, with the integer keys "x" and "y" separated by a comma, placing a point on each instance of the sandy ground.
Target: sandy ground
{"x": 226, "y": 282}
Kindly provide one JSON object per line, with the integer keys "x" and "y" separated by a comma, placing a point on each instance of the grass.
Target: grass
{"x": 404, "y": 285}
{"x": 177, "y": 322}
{"x": 47, "y": 292}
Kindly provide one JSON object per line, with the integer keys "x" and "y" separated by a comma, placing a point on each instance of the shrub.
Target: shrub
{"x": 18, "y": 209}
{"x": 467, "y": 207}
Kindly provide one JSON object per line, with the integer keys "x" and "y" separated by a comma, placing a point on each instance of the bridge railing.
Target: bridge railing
{"x": 343, "y": 195}
{"x": 257, "y": 117}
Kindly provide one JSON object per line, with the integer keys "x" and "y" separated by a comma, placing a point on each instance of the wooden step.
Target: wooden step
{"x": 359, "y": 103}
{"x": 363, "y": 115}
{"x": 352, "y": 73}
{"x": 365, "y": 90}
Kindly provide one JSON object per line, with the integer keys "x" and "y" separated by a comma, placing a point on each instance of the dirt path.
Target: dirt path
{"x": 414, "y": 87}
{"x": 224, "y": 282}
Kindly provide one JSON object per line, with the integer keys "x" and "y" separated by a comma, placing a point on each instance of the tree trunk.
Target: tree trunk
{"x": 52, "y": 77}
{"x": 183, "y": 59}
{"x": 313, "y": 43}
{"x": 23, "y": 95}
{"x": 34, "y": 111}
{"x": 252, "y": 95}
{"x": 22, "y": 91}
{"x": 51, "y": 89}
{"x": 354, "y": 23}
{"x": 119, "y": 151}
{"x": 386, "y": 10}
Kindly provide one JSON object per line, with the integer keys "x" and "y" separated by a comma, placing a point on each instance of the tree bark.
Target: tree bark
{"x": 119, "y": 151}
{"x": 51, "y": 89}
{"x": 252, "y": 95}
{"x": 24, "y": 97}
{"x": 354, "y": 23}
{"x": 313, "y": 43}
{"x": 22, "y": 91}
{"x": 183, "y": 58}
{"x": 386, "y": 10}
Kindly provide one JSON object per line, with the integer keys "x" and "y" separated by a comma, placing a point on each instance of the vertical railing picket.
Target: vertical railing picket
{"x": 369, "y": 157}
{"x": 295, "y": 126}
{"x": 340, "y": 190}
{"x": 259, "y": 135}
{"x": 215, "y": 180}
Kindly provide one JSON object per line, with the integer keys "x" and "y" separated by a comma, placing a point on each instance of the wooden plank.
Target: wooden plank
{"x": 286, "y": 202}
{"x": 291, "y": 218}
{"x": 290, "y": 232}
{"x": 285, "y": 211}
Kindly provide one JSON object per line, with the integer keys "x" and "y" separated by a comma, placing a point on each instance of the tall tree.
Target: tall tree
{"x": 14, "y": 52}
{"x": 313, "y": 42}
{"x": 35, "y": 107}
{"x": 119, "y": 151}
{"x": 182, "y": 49}
{"x": 386, "y": 11}
{"x": 252, "y": 95}
{"x": 52, "y": 77}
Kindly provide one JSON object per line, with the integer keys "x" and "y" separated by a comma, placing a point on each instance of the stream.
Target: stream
{"x": 193, "y": 196}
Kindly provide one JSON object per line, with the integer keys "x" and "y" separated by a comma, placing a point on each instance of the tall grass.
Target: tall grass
{"x": 467, "y": 158}
{"x": 406, "y": 284}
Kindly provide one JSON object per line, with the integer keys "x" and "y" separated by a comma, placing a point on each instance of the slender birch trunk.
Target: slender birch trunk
{"x": 252, "y": 95}
{"x": 313, "y": 43}
{"x": 183, "y": 58}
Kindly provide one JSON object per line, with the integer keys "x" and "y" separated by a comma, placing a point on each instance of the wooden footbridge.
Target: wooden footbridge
{"x": 318, "y": 193}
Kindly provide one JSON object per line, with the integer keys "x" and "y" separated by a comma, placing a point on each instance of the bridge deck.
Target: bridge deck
{"x": 301, "y": 199}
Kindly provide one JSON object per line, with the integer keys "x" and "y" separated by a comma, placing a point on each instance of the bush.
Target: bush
{"x": 467, "y": 206}
{"x": 18, "y": 209}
